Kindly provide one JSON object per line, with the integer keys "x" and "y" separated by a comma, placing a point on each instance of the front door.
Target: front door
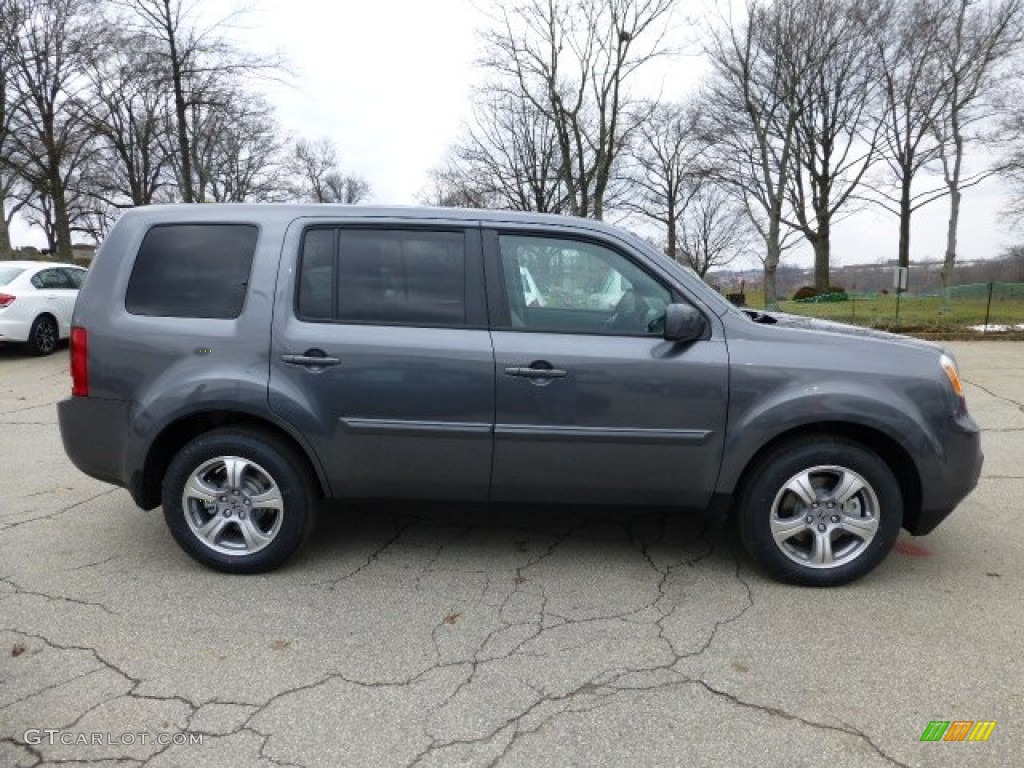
{"x": 381, "y": 357}
{"x": 593, "y": 405}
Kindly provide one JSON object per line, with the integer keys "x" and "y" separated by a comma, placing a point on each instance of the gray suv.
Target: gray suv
{"x": 237, "y": 364}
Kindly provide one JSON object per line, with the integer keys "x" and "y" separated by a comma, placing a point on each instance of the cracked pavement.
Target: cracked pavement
{"x": 439, "y": 635}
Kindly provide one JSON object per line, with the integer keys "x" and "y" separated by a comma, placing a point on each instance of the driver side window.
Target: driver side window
{"x": 557, "y": 285}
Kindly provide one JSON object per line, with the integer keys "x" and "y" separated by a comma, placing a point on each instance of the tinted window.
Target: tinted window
{"x": 192, "y": 270}
{"x": 76, "y": 276}
{"x": 51, "y": 278}
{"x": 377, "y": 276}
{"x": 316, "y": 277}
{"x": 570, "y": 286}
{"x": 7, "y": 273}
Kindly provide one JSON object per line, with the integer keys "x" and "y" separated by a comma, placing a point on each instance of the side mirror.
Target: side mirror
{"x": 683, "y": 323}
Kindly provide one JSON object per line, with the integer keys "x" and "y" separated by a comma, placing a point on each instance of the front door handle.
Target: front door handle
{"x": 538, "y": 370}
{"x": 313, "y": 358}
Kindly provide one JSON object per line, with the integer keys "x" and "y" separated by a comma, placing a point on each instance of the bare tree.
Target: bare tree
{"x": 978, "y": 44}
{"x": 50, "y": 133}
{"x": 193, "y": 62}
{"x": 913, "y": 95}
{"x": 714, "y": 229}
{"x": 750, "y": 120}
{"x": 12, "y": 198}
{"x": 572, "y": 60}
{"x": 836, "y": 138}
{"x": 455, "y": 186}
{"x": 665, "y": 173}
{"x": 511, "y": 148}
{"x": 129, "y": 116}
{"x": 238, "y": 154}
{"x": 348, "y": 189}
{"x": 319, "y": 177}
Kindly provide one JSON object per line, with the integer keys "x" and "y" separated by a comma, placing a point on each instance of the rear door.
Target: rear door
{"x": 56, "y": 286}
{"x": 381, "y": 356}
{"x": 593, "y": 405}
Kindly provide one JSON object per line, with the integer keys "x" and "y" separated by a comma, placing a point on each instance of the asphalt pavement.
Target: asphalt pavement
{"x": 437, "y": 635}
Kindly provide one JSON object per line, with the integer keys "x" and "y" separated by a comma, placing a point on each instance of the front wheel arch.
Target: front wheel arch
{"x": 888, "y": 449}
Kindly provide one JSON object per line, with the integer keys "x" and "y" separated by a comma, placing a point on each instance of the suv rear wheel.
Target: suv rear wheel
{"x": 820, "y": 512}
{"x": 238, "y": 500}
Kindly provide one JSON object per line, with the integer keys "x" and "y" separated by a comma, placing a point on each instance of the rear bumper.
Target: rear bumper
{"x": 92, "y": 430}
{"x": 951, "y": 479}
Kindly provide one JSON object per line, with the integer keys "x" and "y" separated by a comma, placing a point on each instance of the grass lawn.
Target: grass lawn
{"x": 916, "y": 312}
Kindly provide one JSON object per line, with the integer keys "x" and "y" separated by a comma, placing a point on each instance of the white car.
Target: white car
{"x": 36, "y": 302}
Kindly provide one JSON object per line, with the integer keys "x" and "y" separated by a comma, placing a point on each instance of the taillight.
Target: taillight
{"x": 6, "y": 300}
{"x": 79, "y": 362}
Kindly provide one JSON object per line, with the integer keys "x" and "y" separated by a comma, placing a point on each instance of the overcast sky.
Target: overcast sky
{"x": 388, "y": 81}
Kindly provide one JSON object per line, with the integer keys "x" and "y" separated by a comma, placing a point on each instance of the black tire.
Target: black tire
{"x": 243, "y": 536}
{"x": 819, "y": 545}
{"x": 43, "y": 336}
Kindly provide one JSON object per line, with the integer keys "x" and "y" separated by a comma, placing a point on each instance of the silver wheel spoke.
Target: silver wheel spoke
{"x": 197, "y": 488}
{"x": 849, "y": 485}
{"x": 802, "y": 488}
{"x": 223, "y": 511}
{"x": 211, "y": 529}
{"x": 862, "y": 527}
{"x": 269, "y": 499}
{"x": 254, "y": 538}
{"x": 803, "y": 530}
{"x": 785, "y": 529}
{"x": 821, "y": 554}
{"x": 234, "y": 468}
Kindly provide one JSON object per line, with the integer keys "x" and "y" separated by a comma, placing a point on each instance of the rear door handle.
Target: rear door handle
{"x": 314, "y": 358}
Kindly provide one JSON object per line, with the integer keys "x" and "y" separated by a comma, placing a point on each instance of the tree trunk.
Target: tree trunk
{"x": 822, "y": 251}
{"x": 671, "y": 247}
{"x": 771, "y": 262}
{"x": 180, "y": 107}
{"x": 62, "y": 224}
{"x": 905, "y": 213}
{"x": 771, "y": 300}
{"x": 954, "y": 218}
{"x": 6, "y": 250}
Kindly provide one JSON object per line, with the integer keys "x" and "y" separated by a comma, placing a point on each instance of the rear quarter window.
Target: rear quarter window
{"x": 7, "y": 274}
{"x": 192, "y": 270}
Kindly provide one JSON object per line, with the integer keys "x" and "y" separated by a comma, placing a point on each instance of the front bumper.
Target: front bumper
{"x": 950, "y": 480}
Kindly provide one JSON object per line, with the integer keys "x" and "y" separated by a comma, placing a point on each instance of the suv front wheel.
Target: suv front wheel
{"x": 238, "y": 500}
{"x": 820, "y": 512}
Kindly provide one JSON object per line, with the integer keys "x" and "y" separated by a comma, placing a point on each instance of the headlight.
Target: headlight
{"x": 949, "y": 366}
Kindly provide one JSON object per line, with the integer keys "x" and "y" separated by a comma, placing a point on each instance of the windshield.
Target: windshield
{"x": 7, "y": 274}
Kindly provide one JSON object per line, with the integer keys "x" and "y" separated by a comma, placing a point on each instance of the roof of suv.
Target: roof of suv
{"x": 241, "y": 211}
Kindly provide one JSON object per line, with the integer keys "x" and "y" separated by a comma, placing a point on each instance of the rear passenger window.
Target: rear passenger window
{"x": 76, "y": 276}
{"x": 51, "y": 278}
{"x": 386, "y": 277}
{"x": 192, "y": 270}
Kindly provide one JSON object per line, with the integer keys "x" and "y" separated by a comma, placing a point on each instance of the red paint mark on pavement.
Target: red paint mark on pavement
{"x": 912, "y": 550}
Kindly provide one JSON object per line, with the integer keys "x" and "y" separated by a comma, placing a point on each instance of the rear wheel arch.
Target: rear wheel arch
{"x": 175, "y": 435}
